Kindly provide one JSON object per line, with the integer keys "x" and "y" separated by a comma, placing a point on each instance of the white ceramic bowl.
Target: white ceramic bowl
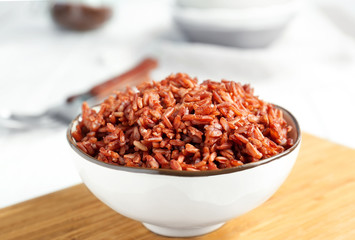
{"x": 185, "y": 203}
{"x": 238, "y": 23}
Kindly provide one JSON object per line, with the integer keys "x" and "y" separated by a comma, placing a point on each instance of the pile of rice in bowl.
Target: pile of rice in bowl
{"x": 182, "y": 125}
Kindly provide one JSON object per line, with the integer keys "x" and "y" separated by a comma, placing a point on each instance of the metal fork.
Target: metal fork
{"x": 54, "y": 117}
{"x": 63, "y": 114}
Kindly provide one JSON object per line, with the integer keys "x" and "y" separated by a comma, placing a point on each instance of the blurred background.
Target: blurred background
{"x": 297, "y": 54}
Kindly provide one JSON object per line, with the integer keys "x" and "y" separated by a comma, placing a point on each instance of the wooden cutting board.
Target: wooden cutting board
{"x": 317, "y": 201}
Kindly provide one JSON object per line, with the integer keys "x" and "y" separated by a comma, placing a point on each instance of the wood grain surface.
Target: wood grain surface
{"x": 317, "y": 201}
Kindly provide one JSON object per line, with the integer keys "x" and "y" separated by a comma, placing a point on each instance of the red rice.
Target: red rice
{"x": 182, "y": 125}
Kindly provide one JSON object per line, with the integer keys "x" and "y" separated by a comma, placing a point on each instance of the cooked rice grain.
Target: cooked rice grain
{"x": 182, "y": 125}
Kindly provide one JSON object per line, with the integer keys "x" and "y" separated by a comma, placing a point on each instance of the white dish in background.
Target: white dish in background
{"x": 227, "y": 3}
{"x": 234, "y": 23}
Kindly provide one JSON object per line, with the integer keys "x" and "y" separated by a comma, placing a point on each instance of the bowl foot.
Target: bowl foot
{"x": 181, "y": 232}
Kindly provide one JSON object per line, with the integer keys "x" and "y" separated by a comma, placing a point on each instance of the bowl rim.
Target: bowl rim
{"x": 176, "y": 173}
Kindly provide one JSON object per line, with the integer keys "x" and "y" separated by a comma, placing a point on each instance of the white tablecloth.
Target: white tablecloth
{"x": 310, "y": 70}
